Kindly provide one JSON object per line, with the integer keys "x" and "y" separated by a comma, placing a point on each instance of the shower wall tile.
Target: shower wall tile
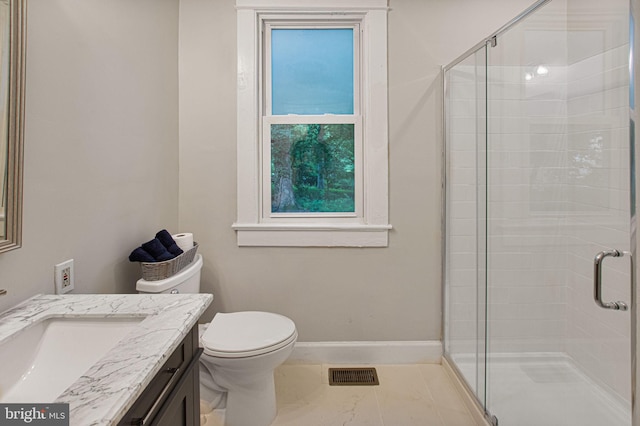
{"x": 463, "y": 209}
{"x": 507, "y": 91}
{"x": 464, "y": 278}
{"x": 462, "y": 76}
{"x": 507, "y": 142}
{"x": 465, "y": 160}
{"x": 462, "y": 258}
{"x": 527, "y": 311}
{"x": 461, "y": 108}
{"x": 510, "y": 193}
{"x": 464, "y": 333}
{"x": 508, "y": 261}
{"x": 527, "y": 108}
{"x": 601, "y": 80}
{"x": 508, "y": 210}
{"x": 617, "y": 97}
{"x": 547, "y": 142}
{"x": 543, "y": 267}
{"x": 528, "y": 168}
{"x": 601, "y": 235}
{"x": 545, "y": 108}
{"x": 534, "y": 293}
{"x": 463, "y": 176}
{"x": 522, "y": 125}
{"x": 499, "y": 295}
{"x": 505, "y": 107}
{"x": 462, "y": 312}
{"x": 584, "y": 69}
{"x": 599, "y": 350}
{"x": 517, "y": 328}
{"x": 462, "y": 90}
{"x": 587, "y": 104}
{"x": 462, "y": 244}
{"x": 549, "y": 90}
{"x": 498, "y": 75}
{"x": 529, "y": 345}
{"x": 596, "y": 122}
{"x": 545, "y": 89}
{"x": 463, "y": 142}
{"x": 548, "y": 160}
{"x": 461, "y": 295}
{"x": 548, "y": 125}
{"x": 509, "y": 174}
{"x": 465, "y": 125}
{"x": 462, "y": 227}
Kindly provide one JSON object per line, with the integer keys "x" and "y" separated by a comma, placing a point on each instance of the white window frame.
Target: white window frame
{"x": 369, "y": 225}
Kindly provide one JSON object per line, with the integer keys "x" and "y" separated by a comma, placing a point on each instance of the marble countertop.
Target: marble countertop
{"x": 107, "y": 390}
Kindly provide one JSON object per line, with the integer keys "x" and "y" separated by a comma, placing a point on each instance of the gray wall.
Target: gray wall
{"x": 101, "y": 141}
{"x": 333, "y": 294}
{"x": 102, "y": 98}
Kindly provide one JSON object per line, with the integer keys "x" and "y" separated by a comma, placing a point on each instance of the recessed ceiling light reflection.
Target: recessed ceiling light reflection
{"x": 542, "y": 70}
{"x": 528, "y": 76}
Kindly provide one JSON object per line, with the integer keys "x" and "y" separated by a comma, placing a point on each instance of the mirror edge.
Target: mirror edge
{"x": 17, "y": 43}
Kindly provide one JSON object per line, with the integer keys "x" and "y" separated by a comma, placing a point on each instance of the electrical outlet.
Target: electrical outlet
{"x": 63, "y": 277}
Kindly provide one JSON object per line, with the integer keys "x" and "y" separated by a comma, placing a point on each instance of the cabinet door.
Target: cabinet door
{"x": 179, "y": 409}
{"x": 182, "y": 407}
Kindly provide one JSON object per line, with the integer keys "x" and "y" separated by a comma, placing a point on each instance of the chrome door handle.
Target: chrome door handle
{"x": 597, "y": 280}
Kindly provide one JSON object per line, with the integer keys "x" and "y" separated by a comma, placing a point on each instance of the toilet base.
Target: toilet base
{"x": 212, "y": 418}
{"x": 260, "y": 398}
{"x": 248, "y": 382}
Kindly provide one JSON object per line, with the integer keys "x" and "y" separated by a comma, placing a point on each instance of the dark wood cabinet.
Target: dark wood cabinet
{"x": 173, "y": 396}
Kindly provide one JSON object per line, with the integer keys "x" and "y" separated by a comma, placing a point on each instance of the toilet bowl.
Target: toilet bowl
{"x": 241, "y": 351}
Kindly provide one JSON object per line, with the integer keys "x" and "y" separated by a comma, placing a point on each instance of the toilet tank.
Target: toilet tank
{"x": 185, "y": 281}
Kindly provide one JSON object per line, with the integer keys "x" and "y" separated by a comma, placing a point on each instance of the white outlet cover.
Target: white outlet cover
{"x": 59, "y": 280}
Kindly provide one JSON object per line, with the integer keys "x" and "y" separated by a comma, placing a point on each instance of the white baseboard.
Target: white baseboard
{"x": 409, "y": 352}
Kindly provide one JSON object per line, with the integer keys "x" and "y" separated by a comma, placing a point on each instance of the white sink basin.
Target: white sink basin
{"x": 43, "y": 360}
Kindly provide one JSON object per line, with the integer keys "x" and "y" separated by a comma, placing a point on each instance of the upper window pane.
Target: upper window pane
{"x": 312, "y": 71}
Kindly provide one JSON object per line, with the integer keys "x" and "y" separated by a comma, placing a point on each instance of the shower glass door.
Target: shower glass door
{"x": 465, "y": 246}
{"x": 537, "y": 185}
{"x": 557, "y": 195}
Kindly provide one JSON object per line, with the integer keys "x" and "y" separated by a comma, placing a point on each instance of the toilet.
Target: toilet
{"x": 241, "y": 351}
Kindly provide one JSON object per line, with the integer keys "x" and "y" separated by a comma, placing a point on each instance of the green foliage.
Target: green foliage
{"x": 318, "y": 160}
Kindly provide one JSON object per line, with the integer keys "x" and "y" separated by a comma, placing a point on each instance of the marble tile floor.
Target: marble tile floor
{"x": 408, "y": 395}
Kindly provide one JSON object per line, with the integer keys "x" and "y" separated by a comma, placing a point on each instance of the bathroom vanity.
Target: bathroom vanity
{"x": 172, "y": 398}
{"x": 148, "y": 371}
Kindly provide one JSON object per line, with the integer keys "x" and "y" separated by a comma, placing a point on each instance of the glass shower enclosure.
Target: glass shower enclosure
{"x": 538, "y": 217}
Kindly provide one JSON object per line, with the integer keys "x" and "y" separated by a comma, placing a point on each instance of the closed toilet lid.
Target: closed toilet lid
{"x": 241, "y": 334}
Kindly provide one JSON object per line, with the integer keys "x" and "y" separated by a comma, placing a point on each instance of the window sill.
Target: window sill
{"x": 312, "y": 235}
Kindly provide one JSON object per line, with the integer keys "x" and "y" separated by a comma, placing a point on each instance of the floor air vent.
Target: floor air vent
{"x": 353, "y": 377}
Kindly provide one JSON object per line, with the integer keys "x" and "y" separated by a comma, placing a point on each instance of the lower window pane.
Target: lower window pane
{"x": 312, "y": 168}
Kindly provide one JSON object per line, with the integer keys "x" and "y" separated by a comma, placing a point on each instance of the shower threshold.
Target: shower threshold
{"x": 550, "y": 389}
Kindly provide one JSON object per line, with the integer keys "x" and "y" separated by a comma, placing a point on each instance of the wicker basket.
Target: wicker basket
{"x": 154, "y": 271}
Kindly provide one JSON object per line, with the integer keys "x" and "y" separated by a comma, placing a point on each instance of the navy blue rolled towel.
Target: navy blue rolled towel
{"x": 167, "y": 241}
{"x": 175, "y": 250}
{"x": 165, "y": 256}
{"x": 157, "y": 250}
{"x": 140, "y": 255}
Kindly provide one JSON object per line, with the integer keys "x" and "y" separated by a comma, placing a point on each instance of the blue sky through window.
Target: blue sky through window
{"x": 312, "y": 71}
